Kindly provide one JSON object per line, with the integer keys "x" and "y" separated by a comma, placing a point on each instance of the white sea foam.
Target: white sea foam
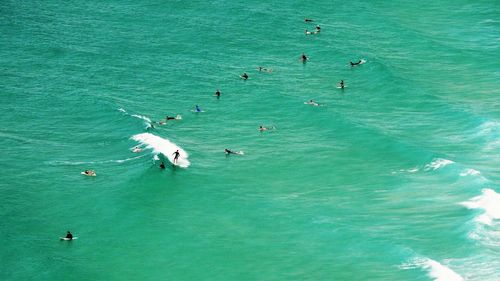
{"x": 142, "y": 117}
{"x": 469, "y": 172}
{"x": 122, "y": 110}
{"x": 438, "y": 163}
{"x": 76, "y": 163}
{"x": 436, "y": 270}
{"x": 489, "y": 202}
{"x": 163, "y": 146}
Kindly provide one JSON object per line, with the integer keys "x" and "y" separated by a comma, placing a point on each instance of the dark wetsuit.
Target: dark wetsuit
{"x": 170, "y": 118}
{"x": 176, "y": 156}
{"x": 162, "y": 165}
{"x": 244, "y": 76}
{"x": 69, "y": 236}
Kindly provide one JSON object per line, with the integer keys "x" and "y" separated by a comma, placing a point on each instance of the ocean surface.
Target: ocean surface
{"x": 395, "y": 177}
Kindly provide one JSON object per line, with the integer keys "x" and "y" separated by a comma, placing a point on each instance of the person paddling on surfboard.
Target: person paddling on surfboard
{"x": 197, "y": 108}
{"x": 355, "y": 63}
{"x": 341, "y": 84}
{"x": 217, "y": 93}
{"x": 69, "y": 236}
{"x": 304, "y": 58}
{"x": 227, "y": 151}
{"x": 176, "y": 155}
{"x": 244, "y": 76}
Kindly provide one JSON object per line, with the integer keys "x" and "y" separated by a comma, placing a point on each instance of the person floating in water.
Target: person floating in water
{"x": 356, "y": 63}
{"x": 217, "y": 93}
{"x": 318, "y": 29}
{"x": 262, "y": 128}
{"x": 197, "y": 108}
{"x": 244, "y": 76}
{"x": 162, "y": 165}
{"x": 311, "y": 102}
{"x": 304, "y": 58}
{"x": 308, "y": 20}
{"x": 69, "y": 236}
{"x": 176, "y": 155}
{"x": 265, "y": 69}
{"x": 341, "y": 84}
{"x": 89, "y": 173}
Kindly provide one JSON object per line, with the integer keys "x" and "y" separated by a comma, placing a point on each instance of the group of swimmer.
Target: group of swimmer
{"x": 304, "y": 58}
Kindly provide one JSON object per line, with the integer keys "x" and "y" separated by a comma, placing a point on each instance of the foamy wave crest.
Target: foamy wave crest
{"x": 436, "y": 270}
{"x": 489, "y": 202}
{"x": 438, "y": 163}
{"x": 470, "y": 172}
{"x": 142, "y": 117}
{"x": 146, "y": 119}
{"x": 163, "y": 146}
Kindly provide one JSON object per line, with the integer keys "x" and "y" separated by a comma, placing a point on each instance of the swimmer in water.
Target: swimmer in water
{"x": 176, "y": 155}
{"x": 244, "y": 76}
{"x": 311, "y": 102}
{"x": 89, "y": 172}
{"x": 308, "y": 20}
{"x": 304, "y": 58}
{"x": 355, "y": 63}
{"x": 217, "y": 93}
{"x": 269, "y": 70}
{"x": 197, "y": 108}
{"x": 262, "y": 128}
{"x": 162, "y": 165}
{"x": 137, "y": 149}
{"x": 318, "y": 29}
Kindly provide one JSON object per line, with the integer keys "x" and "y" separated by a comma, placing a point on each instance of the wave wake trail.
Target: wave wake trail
{"x": 163, "y": 146}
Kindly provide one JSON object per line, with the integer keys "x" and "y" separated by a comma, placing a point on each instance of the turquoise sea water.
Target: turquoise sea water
{"x": 393, "y": 178}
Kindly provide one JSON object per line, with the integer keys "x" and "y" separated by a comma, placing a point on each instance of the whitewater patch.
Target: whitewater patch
{"x": 163, "y": 146}
{"x": 489, "y": 202}
{"x": 147, "y": 120}
{"x": 436, "y": 270}
{"x": 470, "y": 172}
{"x": 438, "y": 163}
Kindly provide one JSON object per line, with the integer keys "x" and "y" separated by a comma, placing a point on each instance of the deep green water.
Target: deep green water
{"x": 393, "y": 178}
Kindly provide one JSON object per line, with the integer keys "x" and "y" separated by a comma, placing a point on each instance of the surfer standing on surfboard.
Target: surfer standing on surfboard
{"x": 176, "y": 155}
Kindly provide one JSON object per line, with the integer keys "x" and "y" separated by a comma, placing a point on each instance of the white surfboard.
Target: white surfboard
{"x": 88, "y": 175}
{"x": 236, "y": 152}
{"x": 67, "y": 239}
{"x": 312, "y": 103}
{"x": 338, "y": 87}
